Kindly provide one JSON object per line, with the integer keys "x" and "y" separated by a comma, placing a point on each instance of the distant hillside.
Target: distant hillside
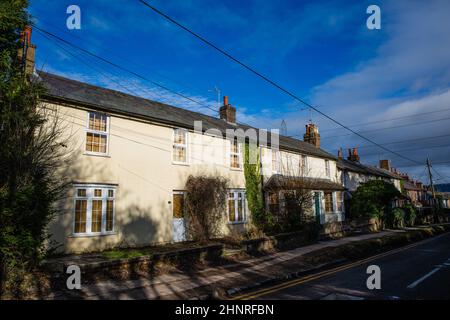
{"x": 444, "y": 187}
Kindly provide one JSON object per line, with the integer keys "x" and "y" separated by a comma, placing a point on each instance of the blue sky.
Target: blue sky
{"x": 320, "y": 50}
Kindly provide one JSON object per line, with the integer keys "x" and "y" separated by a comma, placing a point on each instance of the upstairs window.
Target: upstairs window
{"x": 327, "y": 168}
{"x": 276, "y": 161}
{"x": 236, "y": 206}
{"x": 235, "y": 154}
{"x": 303, "y": 164}
{"x": 179, "y": 152}
{"x": 97, "y": 133}
{"x": 94, "y": 209}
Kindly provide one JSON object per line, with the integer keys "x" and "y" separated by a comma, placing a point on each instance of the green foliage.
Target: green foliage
{"x": 29, "y": 158}
{"x": 410, "y": 214}
{"x": 253, "y": 185}
{"x": 396, "y": 218}
{"x": 373, "y": 199}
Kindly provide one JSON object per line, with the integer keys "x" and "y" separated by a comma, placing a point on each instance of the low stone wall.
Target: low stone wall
{"x": 364, "y": 225}
{"x": 333, "y": 230}
{"x": 279, "y": 241}
{"x": 148, "y": 264}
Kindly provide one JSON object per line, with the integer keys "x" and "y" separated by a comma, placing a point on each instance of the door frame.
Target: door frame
{"x": 318, "y": 201}
{"x": 182, "y": 221}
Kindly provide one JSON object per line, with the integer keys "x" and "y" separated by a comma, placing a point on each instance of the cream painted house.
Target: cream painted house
{"x": 353, "y": 173}
{"x": 131, "y": 158}
{"x": 303, "y": 165}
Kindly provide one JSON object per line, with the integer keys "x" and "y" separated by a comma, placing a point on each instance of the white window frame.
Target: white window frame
{"x": 104, "y": 133}
{"x": 89, "y": 197}
{"x": 303, "y": 168}
{"x": 336, "y": 200}
{"x": 185, "y": 146}
{"x": 236, "y": 193}
{"x": 239, "y": 154}
{"x": 327, "y": 168}
{"x": 277, "y": 155}
{"x": 333, "y": 202}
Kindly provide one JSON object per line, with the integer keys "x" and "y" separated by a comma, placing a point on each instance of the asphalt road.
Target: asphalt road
{"x": 418, "y": 272}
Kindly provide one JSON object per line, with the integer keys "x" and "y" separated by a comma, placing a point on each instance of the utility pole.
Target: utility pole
{"x": 431, "y": 179}
{"x": 436, "y": 205}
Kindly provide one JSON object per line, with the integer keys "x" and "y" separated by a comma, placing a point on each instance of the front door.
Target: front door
{"x": 179, "y": 227}
{"x": 317, "y": 205}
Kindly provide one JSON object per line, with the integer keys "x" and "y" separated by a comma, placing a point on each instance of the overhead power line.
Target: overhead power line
{"x": 81, "y": 60}
{"x": 403, "y": 141}
{"x": 127, "y": 70}
{"x": 97, "y": 45}
{"x": 389, "y": 119}
{"x": 412, "y": 149}
{"x": 273, "y": 83}
{"x": 391, "y": 127}
{"x": 122, "y": 68}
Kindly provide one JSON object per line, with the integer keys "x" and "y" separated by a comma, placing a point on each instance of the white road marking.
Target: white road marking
{"x": 415, "y": 283}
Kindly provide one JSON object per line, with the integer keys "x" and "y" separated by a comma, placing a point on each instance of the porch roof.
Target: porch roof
{"x": 278, "y": 181}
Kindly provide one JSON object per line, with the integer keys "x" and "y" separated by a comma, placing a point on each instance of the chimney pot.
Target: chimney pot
{"x": 386, "y": 165}
{"x": 26, "y": 54}
{"x": 227, "y": 111}
{"x": 353, "y": 155}
{"x": 312, "y": 135}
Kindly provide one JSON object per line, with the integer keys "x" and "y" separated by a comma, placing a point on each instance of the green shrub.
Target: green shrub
{"x": 372, "y": 200}
{"x": 396, "y": 218}
{"x": 410, "y": 214}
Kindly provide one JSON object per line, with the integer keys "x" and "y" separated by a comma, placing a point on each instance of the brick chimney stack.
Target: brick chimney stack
{"x": 312, "y": 135}
{"x": 386, "y": 165}
{"x": 340, "y": 156}
{"x": 227, "y": 111}
{"x": 26, "y": 53}
{"x": 353, "y": 155}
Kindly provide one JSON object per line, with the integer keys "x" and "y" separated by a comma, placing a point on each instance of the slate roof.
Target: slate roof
{"x": 408, "y": 185}
{"x": 358, "y": 167}
{"x": 83, "y": 94}
{"x": 278, "y": 181}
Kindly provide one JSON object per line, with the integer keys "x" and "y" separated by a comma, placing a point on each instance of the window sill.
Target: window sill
{"x": 103, "y": 155}
{"x": 236, "y": 169}
{"x": 92, "y": 235}
{"x": 186, "y": 164}
{"x": 237, "y": 222}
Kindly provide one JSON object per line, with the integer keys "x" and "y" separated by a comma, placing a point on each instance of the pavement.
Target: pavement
{"x": 418, "y": 271}
{"x": 201, "y": 283}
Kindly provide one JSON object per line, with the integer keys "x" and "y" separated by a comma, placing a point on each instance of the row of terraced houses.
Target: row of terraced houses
{"x": 131, "y": 157}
